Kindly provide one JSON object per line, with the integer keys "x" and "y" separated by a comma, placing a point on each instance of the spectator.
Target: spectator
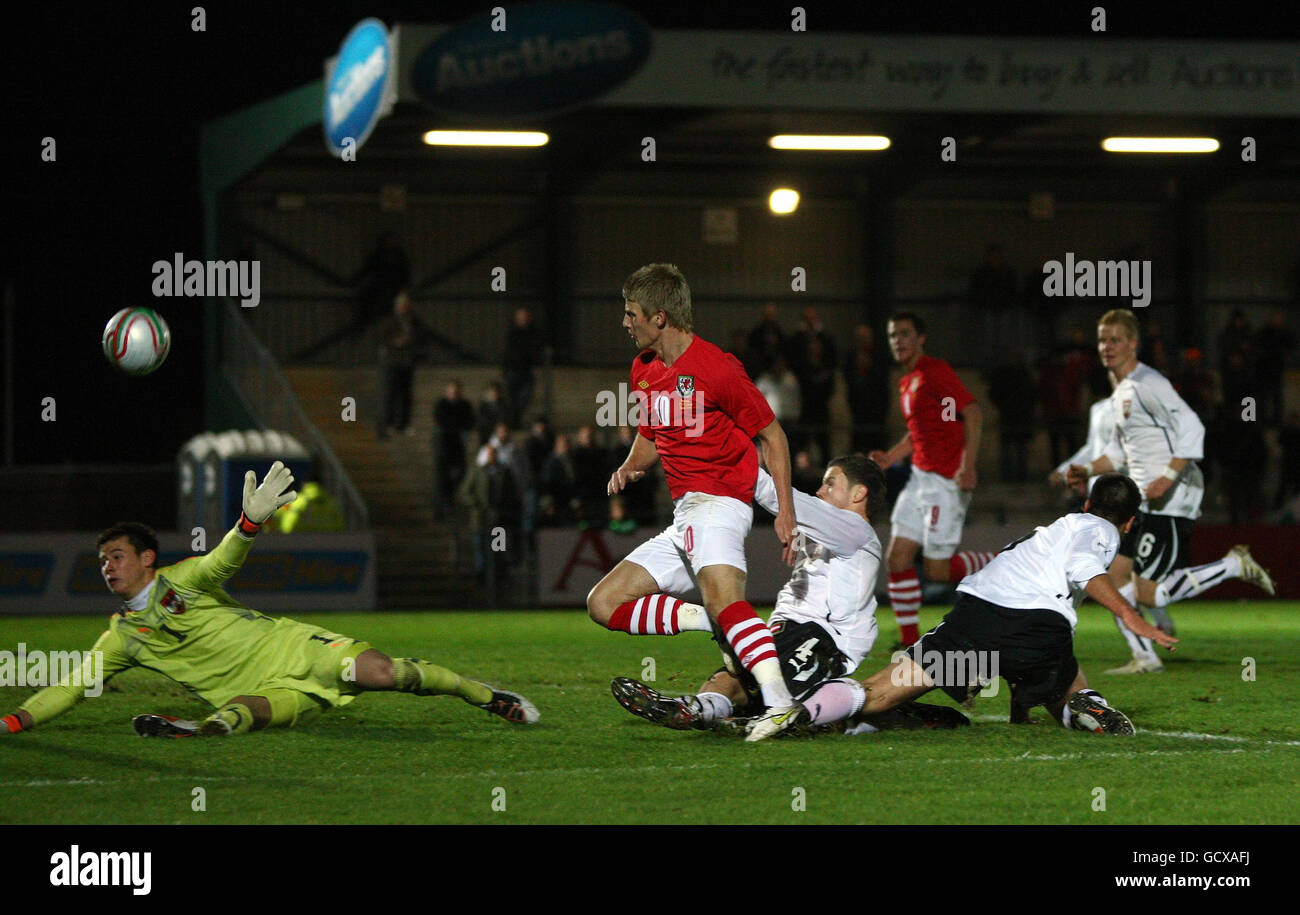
{"x": 816, "y": 385}
{"x": 1194, "y": 383}
{"x": 513, "y": 457}
{"x": 640, "y": 499}
{"x": 557, "y": 503}
{"x": 767, "y": 340}
{"x": 385, "y": 272}
{"x": 810, "y": 328}
{"x": 992, "y": 292}
{"x": 1272, "y": 344}
{"x": 1237, "y": 359}
{"x": 1243, "y": 453}
{"x": 780, "y": 388}
{"x": 1013, "y": 392}
{"x": 740, "y": 349}
{"x": 453, "y": 419}
{"x": 805, "y": 476}
{"x": 403, "y": 339}
{"x": 492, "y": 409}
{"x": 993, "y": 283}
{"x": 538, "y": 447}
{"x": 517, "y": 365}
{"x": 1154, "y": 351}
{"x": 866, "y": 379}
{"x": 619, "y": 520}
{"x": 489, "y": 494}
{"x": 1288, "y": 483}
{"x": 591, "y": 466}
{"x": 1060, "y": 384}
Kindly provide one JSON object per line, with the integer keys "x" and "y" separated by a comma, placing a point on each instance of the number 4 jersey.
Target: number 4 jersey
{"x": 1050, "y": 568}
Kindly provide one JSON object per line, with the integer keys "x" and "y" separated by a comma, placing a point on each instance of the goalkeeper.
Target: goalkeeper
{"x": 257, "y": 671}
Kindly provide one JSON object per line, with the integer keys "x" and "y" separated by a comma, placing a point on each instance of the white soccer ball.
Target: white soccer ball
{"x": 137, "y": 340}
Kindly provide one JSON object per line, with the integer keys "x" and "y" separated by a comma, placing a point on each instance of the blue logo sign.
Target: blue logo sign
{"x": 357, "y": 92}
{"x": 550, "y": 56}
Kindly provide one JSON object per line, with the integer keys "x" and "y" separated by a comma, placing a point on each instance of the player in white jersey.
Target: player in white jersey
{"x": 1159, "y": 438}
{"x": 1014, "y": 618}
{"x": 1101, "y": 424}
{"x": 824, "y": 623}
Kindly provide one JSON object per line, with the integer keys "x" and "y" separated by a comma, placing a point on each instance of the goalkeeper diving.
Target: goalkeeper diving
{"x": 257, "y": 671}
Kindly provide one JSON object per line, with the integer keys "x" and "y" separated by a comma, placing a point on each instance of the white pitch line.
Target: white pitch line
{"x": 1182, "y": 735}
{"x": 595, "y": 770}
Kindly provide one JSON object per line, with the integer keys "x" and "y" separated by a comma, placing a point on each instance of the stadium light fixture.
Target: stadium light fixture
{"x": 1160, "y": 144}
{"x": 486, "y": 138}
{"x": 783, "y": 201}
{"x": 829, "y": 142}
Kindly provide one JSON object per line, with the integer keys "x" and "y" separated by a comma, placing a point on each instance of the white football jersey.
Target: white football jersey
{"x": 1152, "y": 425}
{"x": 1048, "y": 569}
{"x": 833, "y": 583}
{"x": 1101, "y": 426}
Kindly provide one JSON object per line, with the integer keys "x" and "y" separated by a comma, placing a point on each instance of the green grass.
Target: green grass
{"x": 391, "y": 758}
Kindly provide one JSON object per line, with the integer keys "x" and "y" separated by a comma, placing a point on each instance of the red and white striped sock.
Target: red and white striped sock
{"x": 967, "y": 562}
{"x": 751, "y": 640}
{"x": 905, "y": 598}
{"x": 658, "y": 614}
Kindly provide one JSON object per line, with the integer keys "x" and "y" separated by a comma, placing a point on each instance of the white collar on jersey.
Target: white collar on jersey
{"x": 141, "y": 600}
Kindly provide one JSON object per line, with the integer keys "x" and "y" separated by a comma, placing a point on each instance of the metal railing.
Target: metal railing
{"x": 268, "y": 397}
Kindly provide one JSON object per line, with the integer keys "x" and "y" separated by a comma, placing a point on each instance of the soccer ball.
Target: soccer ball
{"x": 137, "y": 340}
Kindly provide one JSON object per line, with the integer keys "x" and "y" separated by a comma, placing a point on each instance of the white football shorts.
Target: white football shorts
{"x": 706, "y": 530}
{"x": 931, "y": 511}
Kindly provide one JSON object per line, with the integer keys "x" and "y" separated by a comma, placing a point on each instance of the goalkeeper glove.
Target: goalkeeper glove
{"x": 261, "y": 502}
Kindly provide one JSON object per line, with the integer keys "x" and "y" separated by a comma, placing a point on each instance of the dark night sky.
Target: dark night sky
{"x": 124, "y": 88}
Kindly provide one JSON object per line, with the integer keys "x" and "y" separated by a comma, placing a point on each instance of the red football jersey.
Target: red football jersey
{"x": 937, "y": 443}
{"x": 702, "y": 414}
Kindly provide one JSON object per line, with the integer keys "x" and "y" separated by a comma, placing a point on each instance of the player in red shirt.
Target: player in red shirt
{"x": 698, "y": 413}
{"x": 943, "y": 438}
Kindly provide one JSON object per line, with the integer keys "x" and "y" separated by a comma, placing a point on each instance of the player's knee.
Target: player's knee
{"x": 599, "y": 607}
{"x": 374, "y": 670}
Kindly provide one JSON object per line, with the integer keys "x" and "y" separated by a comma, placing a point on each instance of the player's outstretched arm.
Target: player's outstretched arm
{"x": 1101, "y": 590}
{"x": 1079, "y": 473}
{"x": 98, "y": 666}
{"x": 640, "y": 459}
{"x": 226, "y": 558}
{"x": 775, "y": 451}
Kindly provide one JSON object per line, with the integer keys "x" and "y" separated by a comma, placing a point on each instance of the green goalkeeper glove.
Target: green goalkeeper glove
{"x": 261, "y": 502}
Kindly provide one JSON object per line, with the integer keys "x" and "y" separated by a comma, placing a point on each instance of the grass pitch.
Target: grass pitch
{"x": 1212, "y": 747}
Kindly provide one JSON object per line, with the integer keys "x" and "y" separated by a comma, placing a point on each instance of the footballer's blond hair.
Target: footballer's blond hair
{"x": 661, "y": 287}
{"x": 1122, "y": 317}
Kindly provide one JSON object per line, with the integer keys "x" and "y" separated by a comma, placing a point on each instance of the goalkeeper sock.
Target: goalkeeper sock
{"x": 227, "y": 721}
{"x": 659, "y": 614}
{"x": 411, "y": 675}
